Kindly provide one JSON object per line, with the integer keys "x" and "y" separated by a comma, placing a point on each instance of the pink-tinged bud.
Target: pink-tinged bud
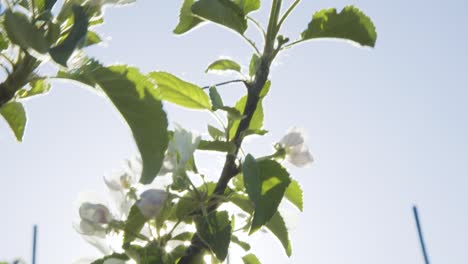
{"x": 151, "y": 202}
{"x": 95, "y": 213}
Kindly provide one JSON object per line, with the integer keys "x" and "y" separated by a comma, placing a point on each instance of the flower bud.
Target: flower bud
{"x": 95, "y": 213}
{"x": 151, "y": 202}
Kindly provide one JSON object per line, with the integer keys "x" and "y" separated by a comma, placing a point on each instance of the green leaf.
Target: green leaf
{"x": 221, "y": 146}
{"x": 3, "y": 42}
{"x": 39, "y": 86}
{"x": 257, "y": 119}
{"x": 185, "y": 236}
{"x": 82, "y": 74}
{"x": 186, "y": 206}
{"x": 216, "y": 99}
{"x": 215, "y": 133}
{"x": 23, "y": 33}
{"x": 63, "y": 51}
{"x": 177, "y": 91}
{"x": 248, "y": 6}
{"x": 152, "y": 253}
{"x": 224, "y": 65}
{"x": 294, "y": 195}
{"x": 133, "y": 95}
{"x": 92, "y": 38}
{"x": 251, "y": 259}
{"x": 15, "y": 115}
{"x": 278, "y": 227}
{"x": 254, "y": 64}
{"x": 265, "y": 183}
{"x": 215, "y": 231}
{"x": 187, "y": 20}
{"x": 223, "y": 12}
{"x": 252, "y": 178}
{"x": 112, "y": 256}
{"x": 244, "y": 245}
{"x": 350, "y": 24}
{"x": 49, "y": 4}
{"x": 135, "y": 222}
{"x": 265, "y": 89}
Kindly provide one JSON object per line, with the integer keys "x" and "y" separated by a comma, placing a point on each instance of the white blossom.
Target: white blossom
{"x": 151, "y": 201}
{"x": 179, "y": 151}
{"x": 297, "y": 152}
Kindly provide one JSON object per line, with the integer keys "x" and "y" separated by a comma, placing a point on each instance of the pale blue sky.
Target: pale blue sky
{"x": 388, "y": 128}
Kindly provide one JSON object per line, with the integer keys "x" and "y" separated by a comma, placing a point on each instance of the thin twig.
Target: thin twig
{"x": 251, "y": 43}
{"x": 258, "y": 26}
{"x": 223, "y": 83}
{"x": 421, "y": 238}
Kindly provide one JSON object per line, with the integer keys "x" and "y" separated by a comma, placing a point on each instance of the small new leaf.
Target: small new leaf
{"x": 15, "y": 115}
{"x": 172, "y": 89}
{"x": 251, "y": 259}
{"x": 350, "y": 24}
{"x": 223, "y": 12}
{"x": 23, "y": 33}
{"x": 215, "y": 231}
{"x": 224, "y": 65}
{"x": 216, "y": 99}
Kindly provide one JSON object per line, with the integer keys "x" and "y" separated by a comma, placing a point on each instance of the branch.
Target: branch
{"x": 17, "y": 79}
{"x": 223, "y": 83}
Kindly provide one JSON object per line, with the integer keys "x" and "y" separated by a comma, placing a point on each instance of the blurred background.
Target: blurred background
{"x": 387, "y": 126}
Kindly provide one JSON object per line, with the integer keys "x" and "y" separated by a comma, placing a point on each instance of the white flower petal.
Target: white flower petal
{"x": 151, "y": 202}
{"x": 294, "y": 137}
{"x": 300, "y": 157}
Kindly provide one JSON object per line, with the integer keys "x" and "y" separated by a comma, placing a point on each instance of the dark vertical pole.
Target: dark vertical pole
{"x": 421, "y": 238}
{"x": 34, "y": 244}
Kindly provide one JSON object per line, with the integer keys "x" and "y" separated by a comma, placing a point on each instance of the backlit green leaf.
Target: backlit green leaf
{"x": 23, "y": 33}
{"x": 177, "y": 91}
{"x": 221, "y": 146}
{"x": 39, "y": 86}
{"x": 75, "y": 39}
{"x": 294, "y": 195}
{"x": 251, "y": 259}
{"x": 244, "y": 245}
{"x": 15, "y": 115}
{"x": 215, "y": 231}
{"x": 135, "y": 222}
{"x": 257, "y": 119}
{"x": 350, "y": 24}
{"x": 134, "y": 96}
{"x": 187, "y": 20}
{"x": 248, "y": 5}
{"x": 276, "y": 225}
{"x": 216, "y": 99}
{"x": 112, "y": 256}
{"x": 92, "y": 38}
{"x": 215, "y": 133}
{"x": 224, "y": 65}
{"x": 223, "y": 12}
{"x": 265, "y": 183}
